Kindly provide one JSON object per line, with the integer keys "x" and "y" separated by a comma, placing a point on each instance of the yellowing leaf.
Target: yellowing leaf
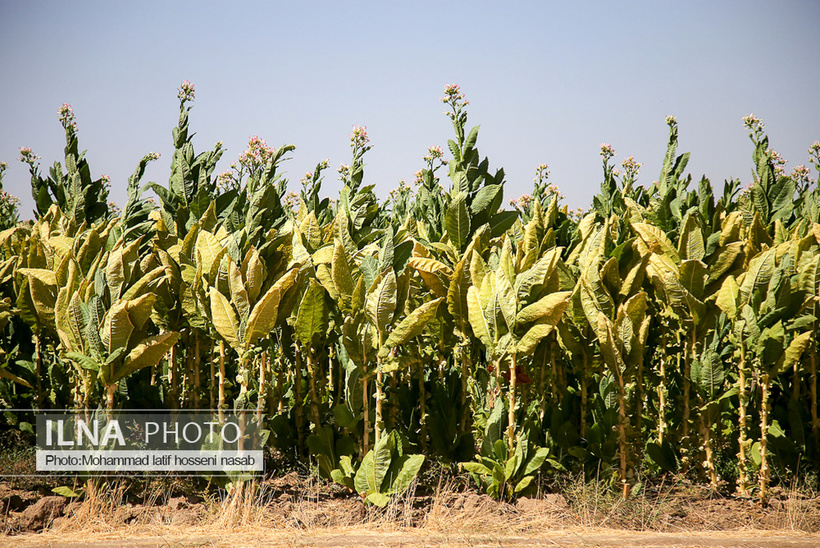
{"x": 224, "y": 319}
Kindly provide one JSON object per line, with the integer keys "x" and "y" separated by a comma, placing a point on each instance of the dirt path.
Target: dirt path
{"x": 366, "y": 538}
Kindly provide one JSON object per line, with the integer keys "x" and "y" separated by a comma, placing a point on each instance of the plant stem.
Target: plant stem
{"x": 622, "y": 433}
{"x": 197, "y": 357}
{"x": 687, "y": 369}
{"x": 743, "y": 400}
{"x": 764, "y": 434}
{"x": 464, "y": 355}
{"x": 260, "y": 400}
{"x": 314, "y": 398}
{"x": 511, "y": 410}
{"x": 297, "y": 385}
{"x": 422, "y": 407}
{"x": 379, "y": 393}
{"x": 815, "y": 423}
{"x": 221, "y": 381}
{"x": 662, "y": 399}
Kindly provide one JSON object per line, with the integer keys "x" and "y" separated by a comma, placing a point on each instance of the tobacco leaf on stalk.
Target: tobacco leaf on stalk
{"x": 386, "y": 470}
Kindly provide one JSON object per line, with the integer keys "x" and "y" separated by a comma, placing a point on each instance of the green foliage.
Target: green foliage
{"x": 386, "y": 470}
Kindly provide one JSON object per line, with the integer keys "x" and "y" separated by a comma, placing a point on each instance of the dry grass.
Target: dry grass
{"x": 308, "y": 514}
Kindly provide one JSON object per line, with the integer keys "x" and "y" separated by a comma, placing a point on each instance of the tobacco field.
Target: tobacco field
{"x": 670, "y": 328}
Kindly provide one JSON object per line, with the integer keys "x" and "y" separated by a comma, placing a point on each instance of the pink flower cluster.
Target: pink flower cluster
{"x": 435, "y": 153}
{"x": 67, "y": 116}
{"x": 607, "y": 151}
{"x": 814, "y": 153}
{"x": 257, "y": 154}
{"x": 800, "y": 174}
{"x": 6, "y": 198}
{"x": 778, "y": 161}
{"x": 631, "y": 167}
{"x": 359, "y": 138}
{"x": 151, "y": 156}
{"x": 186, "y": 91}
{"x": 453, "y": 94}
{"x": 27, "y": 156}
{"x": 753, "y": 123}
{"x": 542, "y": 173}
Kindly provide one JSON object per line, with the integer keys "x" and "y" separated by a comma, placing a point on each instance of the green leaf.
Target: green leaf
{"x": 457, "y": 293}
{"x": 381, "y": 300}
{"x": 793, "y": 352}
{"x": 690, "y": 244}
{"x": 67, "y": 492}
{"x": 478, "y": 321}
{"x": 523, "y": 484}
{"x": 411, "y": 326}
{"x": 378, "y": 499}
{"x": 536, "y": 461}
{"x": 342, "y": 274}
{"x": 312, "y": 316}
{"x": 374, "y": 467}
{"x": 147, "y": 353}
{"x": 457, "y": 220}
{"x": 224, "y": 319}
{"x": 408, "y": 468}
{"x": 477, "y": 468}
{"x": 6, "y": 374}
{"x": 262, "y": 319}
{"x": 254, "y": 273}
{"x": 549, "y": 309}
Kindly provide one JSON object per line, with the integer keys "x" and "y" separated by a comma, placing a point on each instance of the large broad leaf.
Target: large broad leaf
{"x": 145, "y": 284}
{"x": 758, "y": 274}
{"x": 254, "y": 272}
{"x": 712, "y": 374}
{"x": 374, "y": 466}
{"x": 147, "y": 353}
{"x": 239, "y": 295}
{"x": 208, "y": 250}
{"x": 381, "y": 300}
{"x": 43, "y": 290}
{"x": 528, "y": 284}
{"x": 550, "y": 308}
{"x": 533, "y": 336}
{"x": 262, "y": 318}
{"x": 224, "y": 318}
{"x": 312, "y": 315}
{"x": 117, "y": 327}
{"x": 402, "y": 473}
{"x": 690, "y": 244}
{"x": 139, "y": 309}
{"x": 311, "y": 231}
{"x": 457, "y": 293}
{"x": 727, "y": 297}
{"x": 609, "y": 348}
{"x": 412, "y": 325}
{"x": 693, "y": 275}
{"x": 342, "y": 274}
{"x": 505, "y": 297}
{"x": 457, "y": 220}
{"x": 724, "y": 259}
{"x": 793, "y": 352}
{"x": 6, "y": 374}
{"x": 657, "y": 241}
{"x": 479, "y": 323}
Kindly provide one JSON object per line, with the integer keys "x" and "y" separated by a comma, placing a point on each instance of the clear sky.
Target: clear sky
{"x": 548, "y": 82}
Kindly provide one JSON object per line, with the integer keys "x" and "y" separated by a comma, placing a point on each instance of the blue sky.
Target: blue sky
{"x": 548, "y": 82}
